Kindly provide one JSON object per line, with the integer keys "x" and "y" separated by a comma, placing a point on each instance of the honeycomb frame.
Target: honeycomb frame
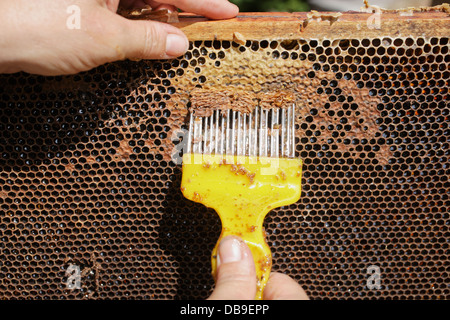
{"x": 90, "y": 172}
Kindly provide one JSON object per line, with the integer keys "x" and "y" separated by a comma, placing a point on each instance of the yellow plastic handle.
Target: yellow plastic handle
{"x": 251, "y": 230}
{"x": 243, "y": 190}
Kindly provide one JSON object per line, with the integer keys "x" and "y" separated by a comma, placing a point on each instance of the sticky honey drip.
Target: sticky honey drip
{"x": 242, "y": 190}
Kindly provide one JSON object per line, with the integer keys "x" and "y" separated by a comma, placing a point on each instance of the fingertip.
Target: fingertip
{"x": 226, "y": 10}
{"x": 176, "y": 45}
{"x": 213, "y": 9}
{"x": 233, "y": 10}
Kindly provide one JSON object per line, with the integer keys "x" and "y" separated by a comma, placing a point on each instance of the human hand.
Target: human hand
{"x": 236, "y": 276}
{"x": 35, "y": 38}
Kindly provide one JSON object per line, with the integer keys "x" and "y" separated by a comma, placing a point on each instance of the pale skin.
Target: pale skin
{"x": 236, "y": 276}
{"x": 34, "y": 38}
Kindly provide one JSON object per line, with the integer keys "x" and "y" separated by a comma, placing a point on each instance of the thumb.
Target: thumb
{"x": 151, "y": 40}
{"x": 236, "y": 274}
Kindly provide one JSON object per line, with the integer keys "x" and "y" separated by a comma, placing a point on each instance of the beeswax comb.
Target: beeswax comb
{"x": 243, "y": 165}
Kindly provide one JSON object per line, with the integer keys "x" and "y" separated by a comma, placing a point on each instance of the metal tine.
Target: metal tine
{"x": 276, "y": 133}
{"x": 259, "y": 134}
{"x": 206, "y": 141}
{"x": 233, "y": 133}
{"x": 289, "y": 129}
{"x": 197, "y": 134}
{"x": 263, "y": 133}
{"x": 249, "y": 135}
{"x": 239, "y": 134}
{"x": 189, "y": 137}
{"x": 204, "y": 135}
{"x": 196, "y": 139}
{"x": 291, "y": 132}
{"x": 222, "y": 134}
{"x": 283, "y": 132}
{"x": 211, "y": 129}
{"x": 216, "y": 133}
{"x": 266, "y": 133}
{"x": 227, "y": 134}
{"x": 204, "y": 138}
{"x": 271, "y": 151}
{"x": 244, "y": 135}
{"x": 255, "y": 133}
{"x": 292, "y": 155}
{"x": 194, "y": 136}
{"x": 199, "y": 140}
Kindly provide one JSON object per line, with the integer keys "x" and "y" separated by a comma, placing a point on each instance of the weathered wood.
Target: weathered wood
{"x": 275, "y": 26}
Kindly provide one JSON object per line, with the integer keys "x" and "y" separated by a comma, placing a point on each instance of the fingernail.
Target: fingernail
{"x": 229, "y": 250}
{"x": 176, "y": 45}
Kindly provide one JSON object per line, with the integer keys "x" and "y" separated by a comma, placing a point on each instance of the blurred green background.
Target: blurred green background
{"x": 271, "y": 5}
{"x": 330, "y": 5}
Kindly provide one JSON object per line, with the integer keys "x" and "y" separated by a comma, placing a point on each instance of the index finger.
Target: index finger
{"x": 214, "y": 9}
